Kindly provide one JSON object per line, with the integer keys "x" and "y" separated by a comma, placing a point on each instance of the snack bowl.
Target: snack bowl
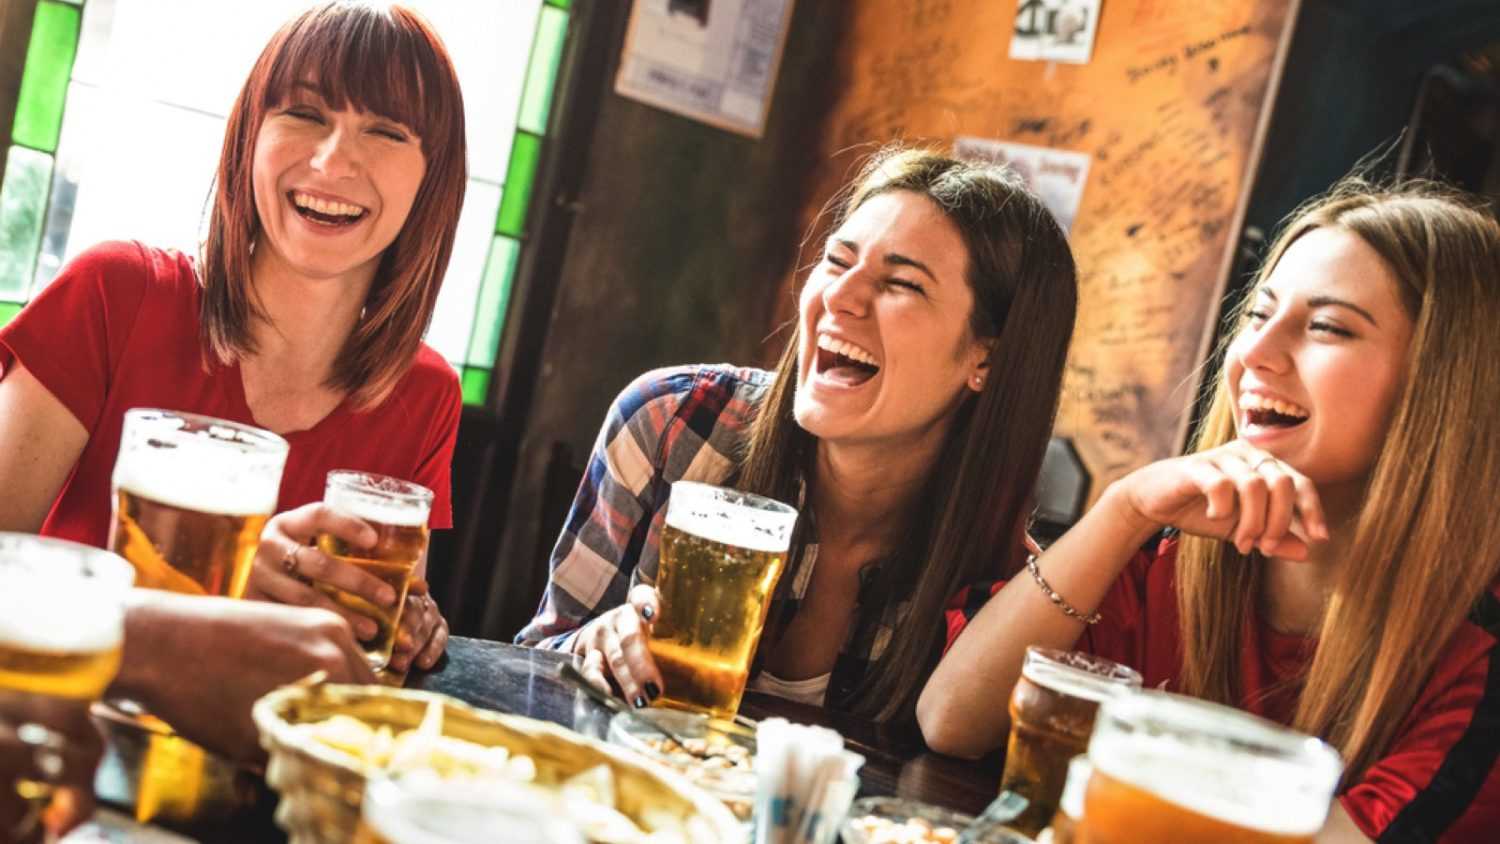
{"x": 322, "y": 785}
{"x": 868, "y": 815}
{"x": 728, "y": 773}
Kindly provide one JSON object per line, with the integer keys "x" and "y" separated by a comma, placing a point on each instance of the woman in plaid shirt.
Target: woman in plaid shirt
{"x": 907, "y": 420}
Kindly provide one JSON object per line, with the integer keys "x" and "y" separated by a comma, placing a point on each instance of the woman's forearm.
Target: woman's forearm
{"x": 962, "y": 710}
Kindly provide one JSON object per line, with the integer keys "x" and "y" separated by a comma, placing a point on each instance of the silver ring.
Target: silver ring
{"x": 1255, "y": 467}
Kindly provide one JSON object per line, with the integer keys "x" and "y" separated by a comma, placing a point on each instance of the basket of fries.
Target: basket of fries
{"x": 325, "y": 741}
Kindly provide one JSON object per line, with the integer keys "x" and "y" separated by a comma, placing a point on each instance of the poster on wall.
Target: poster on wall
{"x": 1055, "y": 175}
{"x": 711, "y": 60}
{"x": 1055, "y": 30}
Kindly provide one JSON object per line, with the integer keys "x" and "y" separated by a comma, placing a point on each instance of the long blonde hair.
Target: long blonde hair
{"x": 1424, "y": 551}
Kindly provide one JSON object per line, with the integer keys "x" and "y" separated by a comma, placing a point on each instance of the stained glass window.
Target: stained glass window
{"x": 116, "y": 138}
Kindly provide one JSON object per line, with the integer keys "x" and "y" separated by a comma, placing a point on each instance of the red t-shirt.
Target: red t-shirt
{"x": 1438, "y": 781}
{"x": 119, "y": 329}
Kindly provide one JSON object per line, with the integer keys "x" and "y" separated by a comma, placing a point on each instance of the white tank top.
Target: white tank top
{"x": 812, "y": 691}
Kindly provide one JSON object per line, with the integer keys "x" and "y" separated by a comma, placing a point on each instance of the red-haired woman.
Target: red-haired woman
{"x": 1335, "y": 565}
{"x": 337, "y": 196}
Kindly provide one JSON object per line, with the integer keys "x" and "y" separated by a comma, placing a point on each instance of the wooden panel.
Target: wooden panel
{"x": 1170, "y": 108}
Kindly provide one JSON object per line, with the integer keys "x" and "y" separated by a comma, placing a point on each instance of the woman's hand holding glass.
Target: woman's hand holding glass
{"x": 1235, "y": 492}
{"x": 287, "y": 564}
{"x": 289, "y": 568}
{"x": 613, "y": 647}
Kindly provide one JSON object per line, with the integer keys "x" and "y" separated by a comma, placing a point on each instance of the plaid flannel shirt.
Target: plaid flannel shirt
{"x": 681, "y": 423}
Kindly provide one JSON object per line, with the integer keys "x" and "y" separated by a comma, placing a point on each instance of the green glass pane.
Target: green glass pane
{"x": 520, "y": 177}
{"x": 23, "y": 205}
{"x": 44, "y": 83}
{"x": 561, "y": 4}
{"x": 8, "y": 311}
{"x": 541, "y": 73}
{"x": 494, "y": 298}
{"x": 476, "y": 385}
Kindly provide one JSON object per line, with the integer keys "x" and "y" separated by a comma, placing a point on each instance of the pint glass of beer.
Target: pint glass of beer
{"x": 397, "y": 510}
{"x": 1172, "y": 768}
{"x": 722, "y": 552}
{"x": 191, "y": 496}
{"x": 1065, "y": 824}
{"x": 62, "y": 616}
{"x": 1051, "y": 715}
{"x": 420, "y": 808}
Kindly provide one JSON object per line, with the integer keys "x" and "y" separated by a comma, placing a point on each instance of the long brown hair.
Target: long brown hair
{"x": 1423, "y": 551}
{"x": 976, "y": 500}
{"x": 387, "y": 61}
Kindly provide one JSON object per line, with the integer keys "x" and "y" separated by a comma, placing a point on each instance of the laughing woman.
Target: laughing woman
{"x": 337, "y": 198}
{"x": 1335, "y": 557}
{"x": 907, "y": 418}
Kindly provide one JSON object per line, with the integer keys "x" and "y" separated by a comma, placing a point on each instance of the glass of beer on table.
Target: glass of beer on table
{"x": 1172, "y": 768}
{"x": 722, "y": 552}
{"x": 1051, "y": 716}
{"x": 62, "y": 627}
{"x": 191, "y": 496}
{"x": 398, "y": 511}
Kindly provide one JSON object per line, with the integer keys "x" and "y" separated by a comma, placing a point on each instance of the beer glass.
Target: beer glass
{"x": 398, "y": 511}
{"x": 1065, "y": 824}
{"x": 420, "y": 808}
{"x": 62, "y": 629}
{"x": 191, "y": 496}
{"x": 722, "y": 552}
{"x": 1051, "y": 715}
{"x": 62, "y": 616}
{"x": 1172, "y": 768}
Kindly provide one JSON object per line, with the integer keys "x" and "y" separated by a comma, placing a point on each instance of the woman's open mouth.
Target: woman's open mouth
{"x": 325, "y": 212}
{"x": 843, "y": 362}
{"x": 1261, "y": 411}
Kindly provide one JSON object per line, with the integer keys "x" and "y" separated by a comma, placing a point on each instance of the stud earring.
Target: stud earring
{"x": 978, "y": 381}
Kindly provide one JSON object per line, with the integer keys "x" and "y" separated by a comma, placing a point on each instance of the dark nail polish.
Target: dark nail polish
{"x": 653, "y": 691}
{"x": 640, "y": 702}
{"x": 647, "y": 613}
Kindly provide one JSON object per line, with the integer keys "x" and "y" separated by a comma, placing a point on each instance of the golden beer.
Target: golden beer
{"x": 398, "y": 512}
{"x": 62, "y": 616}
{"x": 420, "y": 808}
{"x": 192, "y": 494}
{"x": 722, "y": 552}
{"x": 1052, "y": 713}
{"x": 1171, "y": 768}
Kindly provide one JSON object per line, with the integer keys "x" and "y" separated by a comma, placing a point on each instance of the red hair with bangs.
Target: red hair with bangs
{"x": 386, "y": 60}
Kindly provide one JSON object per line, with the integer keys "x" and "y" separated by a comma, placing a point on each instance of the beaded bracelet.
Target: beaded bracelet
{"x": 1056, "y": 599}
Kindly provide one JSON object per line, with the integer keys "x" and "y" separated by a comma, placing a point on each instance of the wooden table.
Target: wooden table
{"x": 523, "y": 681}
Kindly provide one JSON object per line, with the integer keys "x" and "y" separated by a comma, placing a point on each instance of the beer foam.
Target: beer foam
{"x": 1071, "y": 681}
{"x": 199, "y": 477}
{"x": 1270, "y": 795}
{"x": 374, "y": 508}
{"x": 60, "y": 614}
{"x": 697, "y": 510}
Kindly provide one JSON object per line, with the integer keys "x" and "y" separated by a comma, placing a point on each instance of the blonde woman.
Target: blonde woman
{"x": 1335, "y": 561}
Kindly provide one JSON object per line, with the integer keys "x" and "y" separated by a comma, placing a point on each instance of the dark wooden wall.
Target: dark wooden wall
{"x": 1352, "y": 77}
